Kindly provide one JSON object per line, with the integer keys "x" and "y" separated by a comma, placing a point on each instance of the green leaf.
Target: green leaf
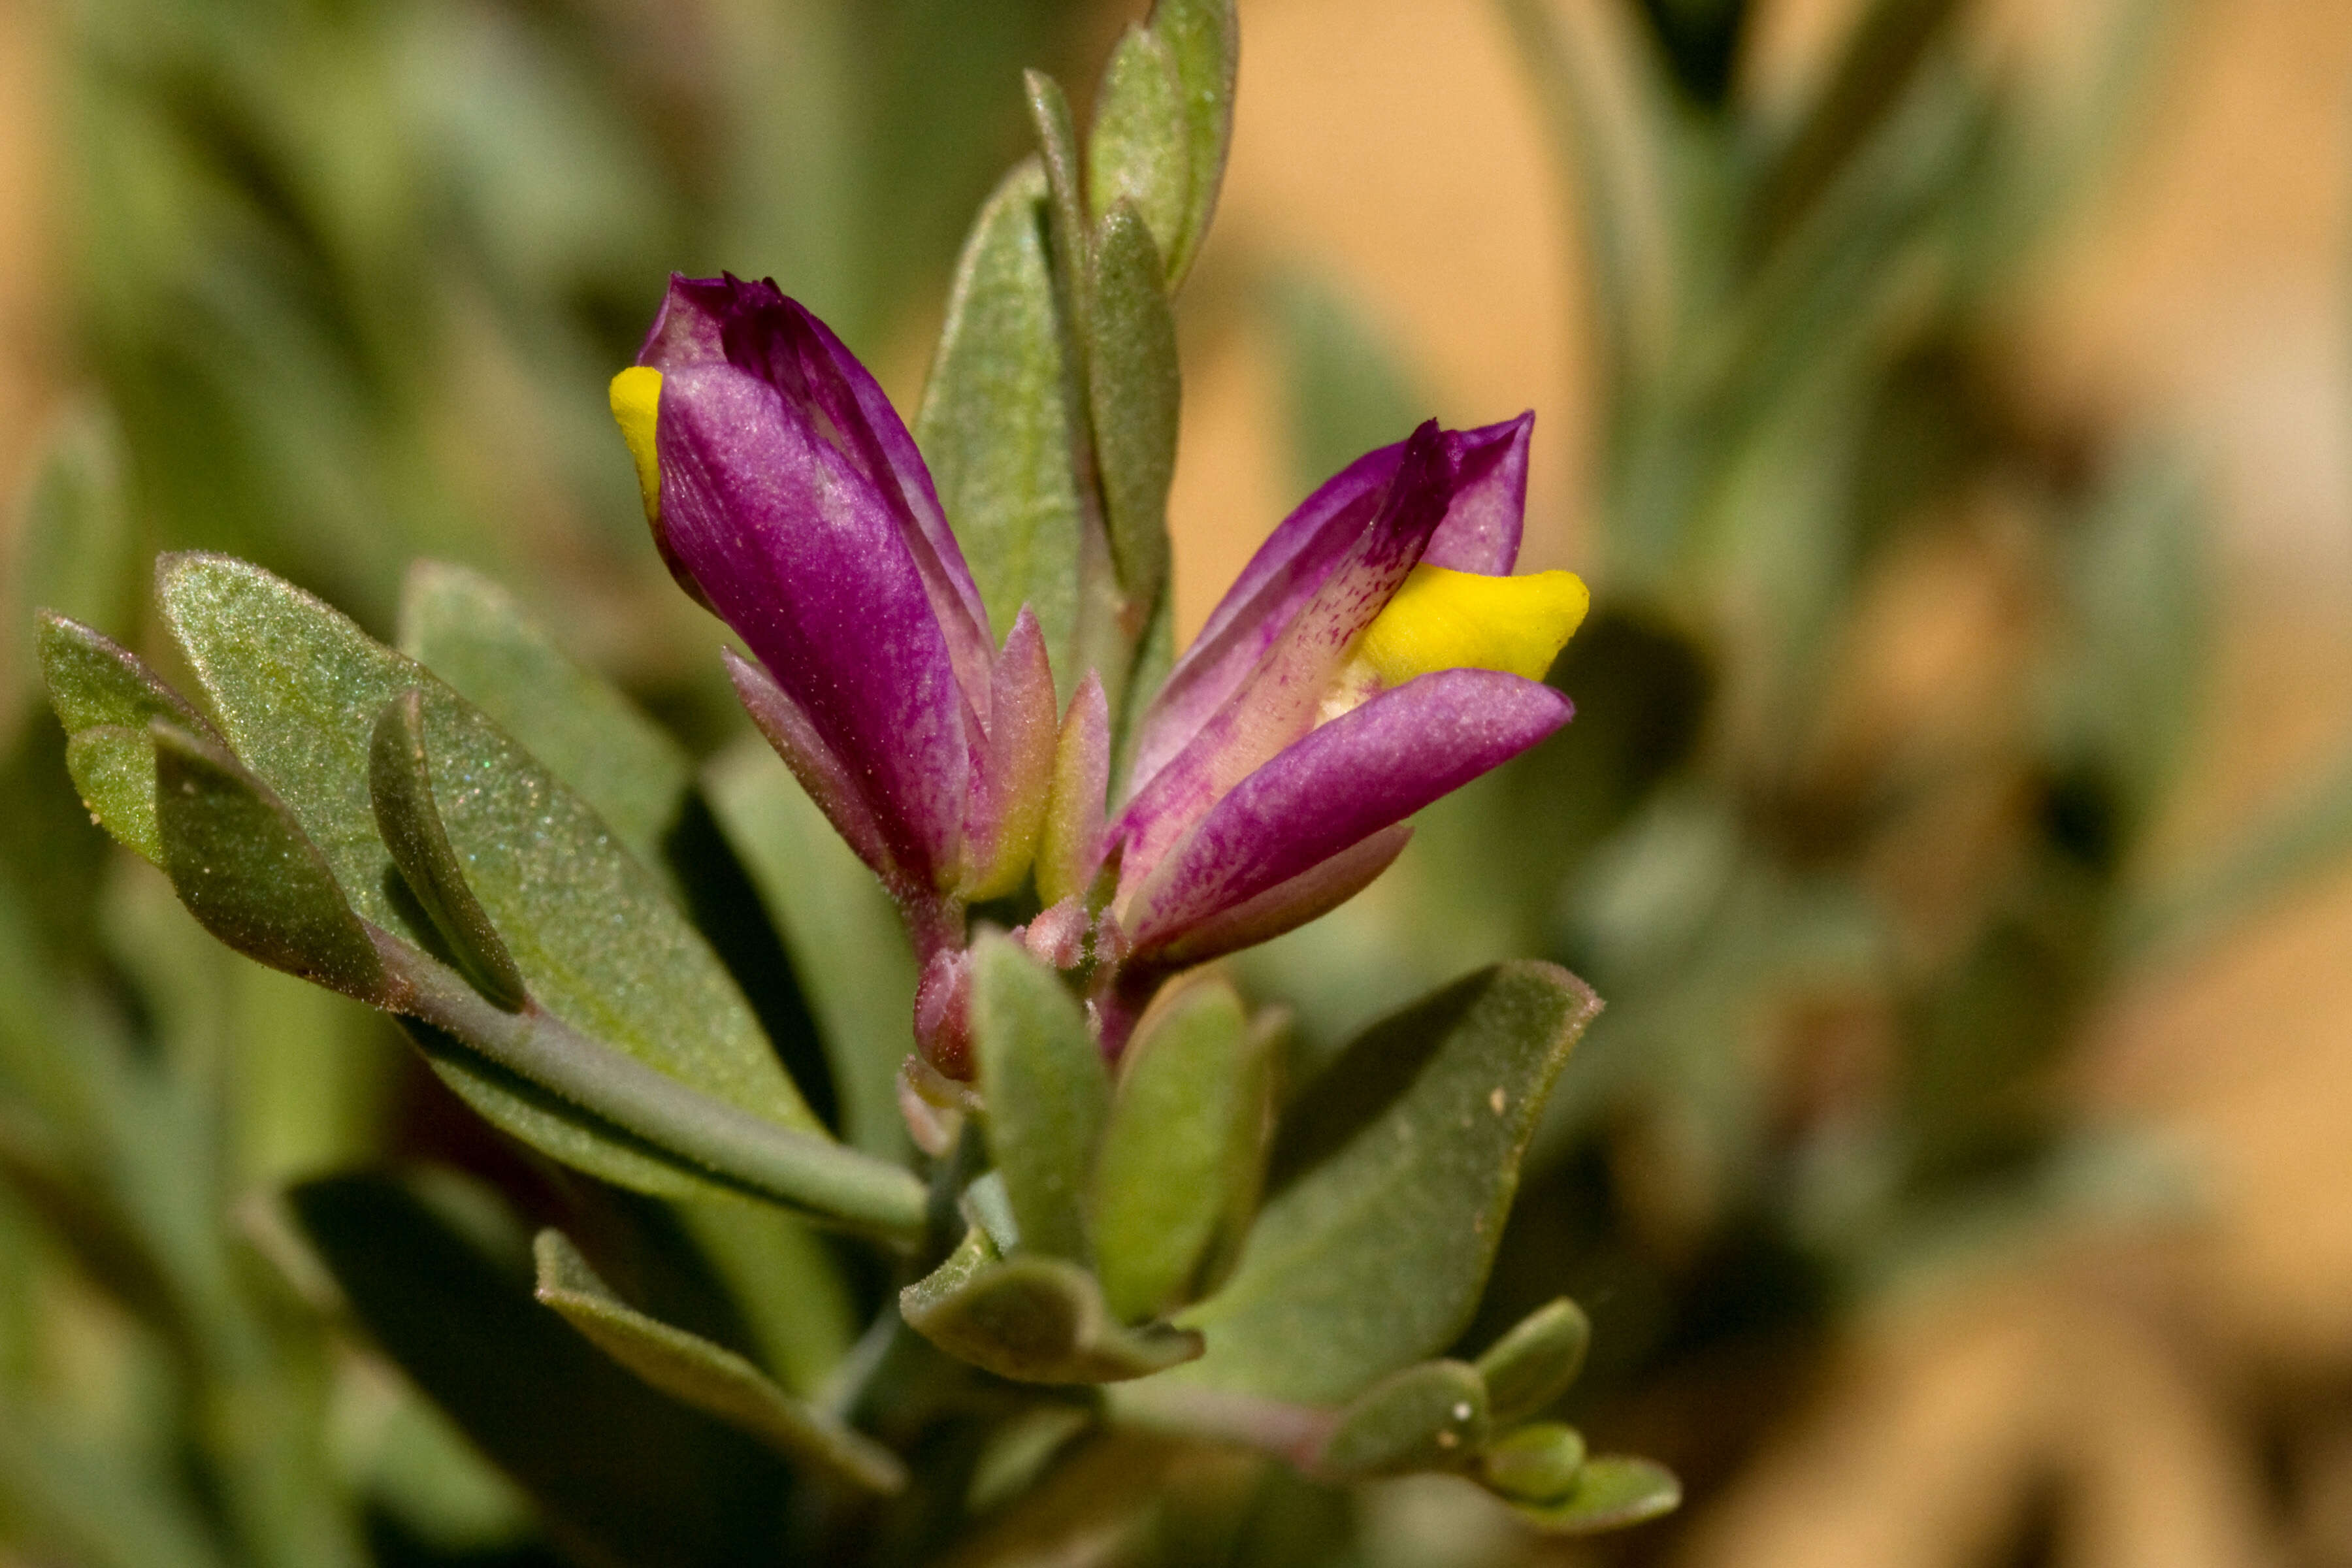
{"x": 848, "y": 945}
{"x": 400, "y": 787}
{"x": 1203, "y": 40}
{"x": 1881, "y": 55}
{"x": 1184, "y": 1149}
{"x": 784, "y": 1284}
{"x": 240, "y": 862}
{"x": 1611, "y": 1492}
{"x": 1035, "y": 1320}
{"x": 1046, "y": 1092}
{"x": 1140, "y": 146}
{"x": 994, "y": 426}
{"x": 1391, "y": 1177}
{"x": 472, "y": 634}
{"x": 1538, "y": 1464}
{"x": 113, "y": 771}
{"x": 1066, "y": 208}
{"x": 1536, "y": 1362}
{"x": 709, "y": 1377}
{"x": 620, "y": 1471}
{"x": 298, "y": 688}
{"x": 1432, "y": 1416}
{"x": 105, "y": 696}
{"x": 1135, "y": 388}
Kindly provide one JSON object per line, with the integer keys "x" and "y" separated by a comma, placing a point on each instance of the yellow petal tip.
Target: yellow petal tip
{"x": 636, "y": 404}
{"x": 1444, "y": 619}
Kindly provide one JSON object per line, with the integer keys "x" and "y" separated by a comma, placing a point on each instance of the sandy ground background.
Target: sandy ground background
{"x": 2198, "y": 1390}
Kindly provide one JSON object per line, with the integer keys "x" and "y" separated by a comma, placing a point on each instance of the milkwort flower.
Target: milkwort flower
{"x": 1373, "y": 655}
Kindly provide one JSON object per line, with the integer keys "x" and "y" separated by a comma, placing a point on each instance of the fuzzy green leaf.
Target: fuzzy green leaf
{"x": 1389, "y": 1188}
{"x": 1184, "y": 1149}
{"x": 1047, "y": 1091}
{"x": 994, "y": 426}
{"x": 471, "y": 633}
{"x": 1140, "y": 147}
{"x": 1432, "y": 1416}
{"x": 1611, "y": 1492}
{"x": 240, "y": 862}
{"x": 708, "y": 1377}
{"x": 298, "y": 688}
{"x": 1534, "y": 1363}
{"x": 1203, "y": 40}
{"x": 400, "y": 787}
{"x": 1135, "y": 388}
{"x": 1034, "y": 1319}
{"x": 105, "y": 697}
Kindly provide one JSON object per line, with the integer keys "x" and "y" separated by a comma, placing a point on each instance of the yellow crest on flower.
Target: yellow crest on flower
{"x": 637, "y": 403}
{"x": 1444, "y": 619}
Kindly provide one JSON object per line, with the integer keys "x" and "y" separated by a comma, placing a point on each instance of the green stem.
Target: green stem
{"x": 807, "y": 1173}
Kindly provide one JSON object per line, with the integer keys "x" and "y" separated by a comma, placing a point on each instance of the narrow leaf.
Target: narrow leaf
{"x": 472, "y": 634}
{"x": 243, "y": 865}
{"x": 1058, "y": 151}
{"x": 1140, "y": 147}
{"x": 1432, "y": 1416}
{"x": 1389, "y": 1184}
{"x": 994, "y": 426}
{"x": 1136, "y": 390}
{"x": 1184, "y": 1149}
{"x": 709, "y": 1377}
{"x": 1035, "y": 1320}
{"x": 400, "y": 784}
{"x": 1047, "y": 1091}
{"x": 1203, "y": 40}
{"x": 1536, "y": 1362}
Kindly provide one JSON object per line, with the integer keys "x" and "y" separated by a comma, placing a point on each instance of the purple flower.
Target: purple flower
{"x": 1372, "y": 657}
{"x": 786, "y": 495}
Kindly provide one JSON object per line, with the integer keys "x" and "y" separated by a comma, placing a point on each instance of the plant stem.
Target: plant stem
{"x": 809, "y": 1173}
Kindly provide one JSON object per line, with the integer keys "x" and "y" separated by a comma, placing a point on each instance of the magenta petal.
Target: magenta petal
{"x": 1482, "y": 527}
{"x": 1480, "y": 534}
{"x": 796, "y": 549}
{"x": 1010, "y": 787}
{"x": 1345, "y": 782}
{"x": 1285, "y": 905}
{"x": 1281, "y": 697}
{"x": 829, "y": 784}
{"x": 755, "y": 328}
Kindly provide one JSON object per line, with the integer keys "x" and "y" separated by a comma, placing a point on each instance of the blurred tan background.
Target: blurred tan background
{"x": 2197, "y": 1390}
